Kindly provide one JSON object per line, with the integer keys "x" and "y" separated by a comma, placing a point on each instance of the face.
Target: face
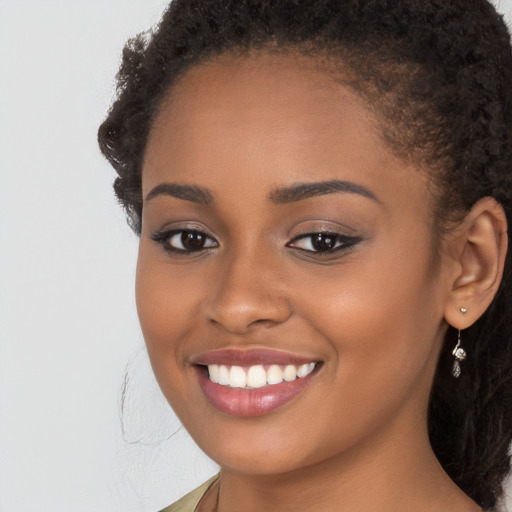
{"x": 286, "y": 288}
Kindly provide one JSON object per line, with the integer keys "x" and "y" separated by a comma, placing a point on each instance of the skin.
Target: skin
{"x": 374, "y": 314}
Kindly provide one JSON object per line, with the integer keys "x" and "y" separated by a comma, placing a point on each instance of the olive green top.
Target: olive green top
{"x": 190, "y": 501}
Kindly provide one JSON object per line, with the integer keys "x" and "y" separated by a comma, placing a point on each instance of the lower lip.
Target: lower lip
{"x": 250, "y": 402}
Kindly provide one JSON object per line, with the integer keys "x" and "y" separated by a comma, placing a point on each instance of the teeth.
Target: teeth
{"x": 256, "y": 376}
{"x": 274, "y": 374}
{"x": 213, "y": 370}
{"x": 305, "y": 369}
{"x": 223, "y": 375}
{"x": 290, "y": 373}
{"x": 237, "y": 377}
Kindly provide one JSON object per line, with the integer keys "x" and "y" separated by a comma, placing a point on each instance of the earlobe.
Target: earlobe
{"x": 481, "y": 246}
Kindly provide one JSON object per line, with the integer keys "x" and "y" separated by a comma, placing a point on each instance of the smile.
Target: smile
{"x": 253, "y": 382}
{"x": 257, "y": 376}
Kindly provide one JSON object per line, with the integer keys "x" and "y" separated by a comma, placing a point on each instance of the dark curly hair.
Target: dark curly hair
{"x": 438, "y": 75}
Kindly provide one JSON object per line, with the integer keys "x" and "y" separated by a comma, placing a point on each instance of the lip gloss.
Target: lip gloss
{"x": 250, "y": 402}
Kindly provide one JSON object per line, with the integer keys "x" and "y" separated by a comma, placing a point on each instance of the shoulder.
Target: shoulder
{"x": 190, "y": 501}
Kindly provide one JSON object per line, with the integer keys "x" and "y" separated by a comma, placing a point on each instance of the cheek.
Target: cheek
{"x": 165, "y": 301}
{"x": 381, "y": 318}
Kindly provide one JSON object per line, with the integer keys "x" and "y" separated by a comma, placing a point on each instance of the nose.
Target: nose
{"x": 247, "y": 293}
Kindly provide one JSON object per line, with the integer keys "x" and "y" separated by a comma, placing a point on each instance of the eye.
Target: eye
{"x": 184, "y": 240}
{"x": 323, "y": 242}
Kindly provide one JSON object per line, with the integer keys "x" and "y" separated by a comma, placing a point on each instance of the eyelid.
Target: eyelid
{"x": 316, "y": 228}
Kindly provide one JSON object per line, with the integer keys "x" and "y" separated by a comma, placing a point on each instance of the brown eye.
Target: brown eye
{"x": 193, "y": 240}
{"x": 323, "y": 242}
{"x": 184, "y": 240}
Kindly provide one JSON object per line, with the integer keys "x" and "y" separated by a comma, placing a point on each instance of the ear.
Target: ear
{"x": 479, "y": 250}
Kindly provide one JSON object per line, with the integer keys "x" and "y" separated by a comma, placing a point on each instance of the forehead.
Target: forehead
{"x": 282, "y": 118}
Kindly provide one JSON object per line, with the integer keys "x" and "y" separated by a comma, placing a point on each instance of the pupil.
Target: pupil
{"x": 323, "y": 242}
{"x": 192, "y": 240}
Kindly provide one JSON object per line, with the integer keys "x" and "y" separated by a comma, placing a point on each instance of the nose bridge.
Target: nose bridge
{"x": 247, "y": 292}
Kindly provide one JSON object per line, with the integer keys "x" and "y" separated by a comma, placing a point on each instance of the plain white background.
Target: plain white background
{"x": 68, "y": 325}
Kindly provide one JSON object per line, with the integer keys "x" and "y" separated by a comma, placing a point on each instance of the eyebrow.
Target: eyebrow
{"x": 281, "y": 195}
{"x": 303, "y": 191}
{"x": 191, "y": 193}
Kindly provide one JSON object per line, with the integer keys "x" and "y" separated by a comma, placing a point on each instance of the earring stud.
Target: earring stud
{"x": 463, "y": 310}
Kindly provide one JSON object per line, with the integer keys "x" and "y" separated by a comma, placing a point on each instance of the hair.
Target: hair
{"x": 438, "y": 75}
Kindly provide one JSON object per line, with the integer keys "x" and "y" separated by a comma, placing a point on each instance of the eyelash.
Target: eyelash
{"x": 164, "y": 238}
{"x": 342, "y": 242}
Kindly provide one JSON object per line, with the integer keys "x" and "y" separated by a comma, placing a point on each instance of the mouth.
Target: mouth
{"x": 252, "y": 383}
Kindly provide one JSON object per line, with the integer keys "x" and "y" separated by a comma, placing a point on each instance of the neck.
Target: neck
{"x": 385, "y": 474}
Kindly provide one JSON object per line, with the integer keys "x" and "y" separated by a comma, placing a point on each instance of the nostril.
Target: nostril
{"x": 244, "y": 325}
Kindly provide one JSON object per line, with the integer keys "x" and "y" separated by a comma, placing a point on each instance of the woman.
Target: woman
{"x": 321, "y": 190}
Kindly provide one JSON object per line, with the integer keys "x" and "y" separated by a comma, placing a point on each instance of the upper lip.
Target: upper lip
{"x": 249, "y": 357}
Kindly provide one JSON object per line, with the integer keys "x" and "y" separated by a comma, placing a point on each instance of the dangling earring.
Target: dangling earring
{"x": 458, "y": 352}
{"x": 460, "y": 355}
